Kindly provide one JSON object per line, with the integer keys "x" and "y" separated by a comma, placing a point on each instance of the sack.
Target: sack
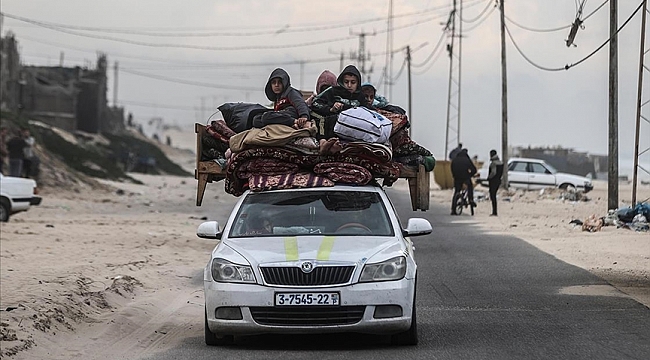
{"x": 361, "y": 124}
{"x": 239, "y": 116}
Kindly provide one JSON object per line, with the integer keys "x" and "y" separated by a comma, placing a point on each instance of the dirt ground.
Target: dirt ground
{"x": 101, "y": 264}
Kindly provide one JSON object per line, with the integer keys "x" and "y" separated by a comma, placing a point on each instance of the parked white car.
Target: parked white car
{"x": 16, "y": 195}
{"x": 315, "y": 260}
{"x": 532, "y": 174}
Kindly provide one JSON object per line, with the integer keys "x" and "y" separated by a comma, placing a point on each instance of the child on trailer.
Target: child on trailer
{"x": 345, "y": 95}
{"x": 289, "y": 107}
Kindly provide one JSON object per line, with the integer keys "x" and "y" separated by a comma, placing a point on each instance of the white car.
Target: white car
{"x": 314, "y": 260}
{"x": 532, "y": 174}
{"x": 16, "y": 195}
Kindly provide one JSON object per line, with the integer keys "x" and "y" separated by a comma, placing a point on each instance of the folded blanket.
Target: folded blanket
{"x": 344, "y": 172}
{"x": 265, "y": 166}
{"x": 287, "y": 181}
{"x": 370, "y": 151}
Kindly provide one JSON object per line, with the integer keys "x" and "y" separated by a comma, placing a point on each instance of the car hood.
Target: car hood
{"x": 570, "y": 177}
{"x": 349, "y": 249}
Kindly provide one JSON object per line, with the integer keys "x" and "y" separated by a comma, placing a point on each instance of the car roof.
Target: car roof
{"x": 336, "y": 187}
{"x": 526, "y": 159}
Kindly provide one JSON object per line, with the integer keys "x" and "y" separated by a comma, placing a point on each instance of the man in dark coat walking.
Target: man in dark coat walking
{"x": 494, "y": 179}
{"x": 462, "y": 169}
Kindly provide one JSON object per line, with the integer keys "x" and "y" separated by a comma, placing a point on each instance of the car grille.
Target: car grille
{"x": 294, "y": 276}
{"x": 309, "y": 316}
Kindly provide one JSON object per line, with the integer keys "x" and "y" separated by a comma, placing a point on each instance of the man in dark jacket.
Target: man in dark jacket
{"x": 289, "y": 107}
{"x": 494, "y": 179}
{"x": 16, "y": 147}
{"x": 462, "y": 169}
{"x": 345, "y": 95}
{"x": 455, "y": 151}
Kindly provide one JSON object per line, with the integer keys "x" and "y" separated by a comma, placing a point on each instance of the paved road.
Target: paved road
{"x": 479, "y": 297}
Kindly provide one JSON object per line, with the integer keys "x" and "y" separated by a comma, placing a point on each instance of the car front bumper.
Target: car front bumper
{"x": 365, "y": 297}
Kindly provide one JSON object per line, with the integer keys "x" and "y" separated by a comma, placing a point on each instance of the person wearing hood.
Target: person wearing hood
{"x": 494, "y": 179}
{"x": 289, "y": 107}
{"x": 345, "y": 95}
{"x": 326, "y": 80}
{"x": 462, "y": 169}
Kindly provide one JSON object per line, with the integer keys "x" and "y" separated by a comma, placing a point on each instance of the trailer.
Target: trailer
{"x": 210, "y": 171}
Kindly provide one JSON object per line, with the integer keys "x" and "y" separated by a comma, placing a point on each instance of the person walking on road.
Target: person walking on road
{"x": 462, "y": 169}
{"x": 494, "y": 179}
{"x": 16, "y": 148}
{"x": 3, "y": 149}
{"x": 29, "y": 163}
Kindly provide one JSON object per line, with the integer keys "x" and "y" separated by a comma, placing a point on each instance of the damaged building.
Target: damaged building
{"x": 70, "y": 98}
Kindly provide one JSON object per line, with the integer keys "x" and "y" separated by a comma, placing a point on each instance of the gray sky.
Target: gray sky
{"x": 565, "y": 108}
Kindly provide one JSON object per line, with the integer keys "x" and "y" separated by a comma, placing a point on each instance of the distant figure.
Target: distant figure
{"x": 259, "y": 225}
{"x": 455, "y": 151}
{"x": 4, "y": 153}
{"x": 16, "y": 148}
{"x": 169, "y": 141}
{"x": 29, "y": 163}
{"x": 494, "y": 179}
{"x": 462, "y": 169}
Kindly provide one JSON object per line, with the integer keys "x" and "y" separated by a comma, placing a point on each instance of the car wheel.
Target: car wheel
{"x": 4, "y": 211}
{"x": 213, "y": 339}
{"x": 410, "y": 336}
{"x": 568, "y": 187}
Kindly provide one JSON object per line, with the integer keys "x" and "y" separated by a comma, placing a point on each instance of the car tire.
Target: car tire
{"x": 5, "y": 210}
{"x": 212, "y": 339}
{"x": 568, "y": 187}
{"x": 410, "y": 336}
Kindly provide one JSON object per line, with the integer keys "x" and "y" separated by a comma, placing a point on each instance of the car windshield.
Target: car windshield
{"x": 318, "y": 212}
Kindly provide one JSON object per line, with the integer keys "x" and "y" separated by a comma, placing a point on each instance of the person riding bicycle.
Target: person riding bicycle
{"x": 462, "y": 169}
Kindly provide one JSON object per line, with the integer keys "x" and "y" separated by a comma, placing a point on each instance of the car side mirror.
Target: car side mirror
{"x": 417, "y": 227}
{"x": 209, "y": 230}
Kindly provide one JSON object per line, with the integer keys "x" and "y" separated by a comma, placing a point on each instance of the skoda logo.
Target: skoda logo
{"x": 306, "y": 267}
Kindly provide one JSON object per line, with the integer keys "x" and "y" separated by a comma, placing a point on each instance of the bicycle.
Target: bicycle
{"x": 461, "y": 200}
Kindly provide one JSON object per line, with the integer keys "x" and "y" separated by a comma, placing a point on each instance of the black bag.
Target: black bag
{"x": 324, "y": 125}
{"x": 239, "y": 116}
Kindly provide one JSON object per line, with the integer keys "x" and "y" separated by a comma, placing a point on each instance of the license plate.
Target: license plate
{"x": 307, "y": 299}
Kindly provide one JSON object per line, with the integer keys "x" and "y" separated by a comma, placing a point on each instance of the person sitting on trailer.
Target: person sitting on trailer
{"x": 345, "y": 95}
{"x": 289, "y": 107}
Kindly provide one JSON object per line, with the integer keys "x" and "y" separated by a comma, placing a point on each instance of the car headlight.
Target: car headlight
{"x": 225, "y": 271}
{"x": 392, "y": 269}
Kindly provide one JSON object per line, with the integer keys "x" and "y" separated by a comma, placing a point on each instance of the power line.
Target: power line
{"x": 479, "y": 23}
{"x": 435, "y": 48}
{"x": 555, "y": 29}
{"x": 188, "y": 82}
{"x": 154, "y": 105}
{"x": 481, "y": 14}
{"x": 275, "y": 31}
{"x": 569, "y": 66}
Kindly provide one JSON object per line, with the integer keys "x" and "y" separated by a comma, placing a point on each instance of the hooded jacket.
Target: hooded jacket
{"x": 325, "y": 100}
{"x": 288, "y": 97}
{"x": 326, "y": 78}
{"x": 462, "y": 167}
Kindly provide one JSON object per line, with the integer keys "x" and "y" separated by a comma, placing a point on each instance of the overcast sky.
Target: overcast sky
{"x": 563, "y": 108}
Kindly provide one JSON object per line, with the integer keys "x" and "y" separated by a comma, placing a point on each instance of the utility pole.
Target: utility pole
{"x": 639, "y": 105}
{"x": 341, "y": 61}
{"x": 453, "y": 89}
{"x": 504, "y": 97}
{"x": 612, "y": 163}
{"x": 362, "y": 56}
{"x": 115, "y": 71}
{"x": 460, "y": 57}
{"x": 408, "y": 72}
{"x": 388, "y": 67}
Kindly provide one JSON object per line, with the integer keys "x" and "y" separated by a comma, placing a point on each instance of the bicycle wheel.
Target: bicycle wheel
{"x": 471, "y": 209}
{"x": 459, "y": 203}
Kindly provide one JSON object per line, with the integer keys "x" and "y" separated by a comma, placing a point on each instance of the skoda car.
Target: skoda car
{"x": 314, "y": 260}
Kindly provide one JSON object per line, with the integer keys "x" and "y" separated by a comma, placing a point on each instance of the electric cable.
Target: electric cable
{"x": 274, "y": 31}
{"x": 480, "y": 22}
{"x": 569, "y": 66}
{"x": 215, "y": 48}
{"x": 399, "y": 73}
{"x": 154, "y": 105}
{"x": 435, "y": 48}
{"x": 426, "y": 69}
{"x": 489, "y": 2}
{"x": 188, "y": 82}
